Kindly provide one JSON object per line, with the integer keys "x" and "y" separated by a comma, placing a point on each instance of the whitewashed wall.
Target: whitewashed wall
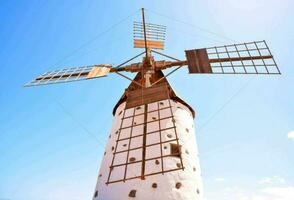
{"x": 176, "y": 185}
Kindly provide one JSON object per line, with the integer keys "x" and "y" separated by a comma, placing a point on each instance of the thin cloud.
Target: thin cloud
{"x": 272, "y": 180}
{"x": 268, "y": 188}
{"x": 275, "y": 193}
{"x": 291, "y": 135}
{"x": 220, "y": 179}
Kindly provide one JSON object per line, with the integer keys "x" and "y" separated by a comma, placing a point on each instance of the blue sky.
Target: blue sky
{"x": 52, "y": 138}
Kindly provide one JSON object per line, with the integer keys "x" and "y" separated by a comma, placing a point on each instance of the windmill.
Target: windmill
{"x": 152, "y": 150}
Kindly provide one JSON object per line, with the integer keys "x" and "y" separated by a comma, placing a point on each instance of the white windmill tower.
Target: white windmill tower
{"x": 152, "y": 151}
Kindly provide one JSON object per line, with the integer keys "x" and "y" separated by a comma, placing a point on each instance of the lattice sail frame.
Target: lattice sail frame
{"x": 70, "y": 75}
{"x": 155, "y": 35}
{"x": 243, "y": 58}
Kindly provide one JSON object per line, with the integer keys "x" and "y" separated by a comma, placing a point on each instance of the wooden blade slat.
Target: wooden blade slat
{"x": 198, "y": 61}
{"x": 98, "y": 71}
{"x": 150, "y": 43}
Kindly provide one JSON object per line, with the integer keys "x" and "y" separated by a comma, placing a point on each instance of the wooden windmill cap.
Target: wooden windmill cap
{"x": 135, "y": 95}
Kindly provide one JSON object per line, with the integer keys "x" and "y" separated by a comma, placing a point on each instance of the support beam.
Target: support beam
{"x": 144, "y": 30}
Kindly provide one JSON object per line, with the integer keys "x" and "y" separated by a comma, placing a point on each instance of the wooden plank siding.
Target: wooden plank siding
{"x": 155, "y": 93}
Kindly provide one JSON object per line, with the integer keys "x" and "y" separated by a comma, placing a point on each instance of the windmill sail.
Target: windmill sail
{"x": 243, "y": 58}
{"x": 155, "y": 35}
{"x": 71, "y": 74}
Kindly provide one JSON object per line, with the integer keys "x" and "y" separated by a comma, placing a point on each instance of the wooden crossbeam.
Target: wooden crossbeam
{"x": 239, "y": 58}
{"x": 54, "y": 77}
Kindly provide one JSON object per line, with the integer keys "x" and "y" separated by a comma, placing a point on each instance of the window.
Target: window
{"x": 175, "y": 150}
{"x": 96, "y": 194}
